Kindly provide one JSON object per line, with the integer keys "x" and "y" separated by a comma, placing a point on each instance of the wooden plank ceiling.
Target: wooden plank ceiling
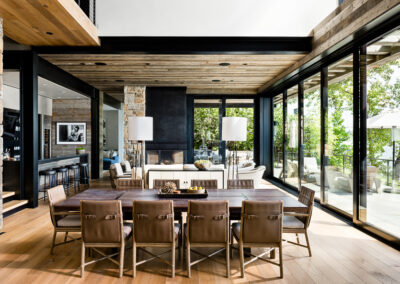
{"x": 201, "y": 74}
{"x": 47, "y": 23}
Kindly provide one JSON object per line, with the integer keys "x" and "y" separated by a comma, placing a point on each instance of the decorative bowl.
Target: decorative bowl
{"x": 202, "y": 165}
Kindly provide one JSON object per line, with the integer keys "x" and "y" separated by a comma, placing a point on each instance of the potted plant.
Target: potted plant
{"x": 80, "y": 150}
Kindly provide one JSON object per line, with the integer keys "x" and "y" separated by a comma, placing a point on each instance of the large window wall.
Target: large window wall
{"x": 380, "y": 196}
{"x": 338, "y": 133}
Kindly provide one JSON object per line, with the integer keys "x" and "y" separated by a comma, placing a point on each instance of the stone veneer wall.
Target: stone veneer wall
{"x": 70, "y": 111}
{"x": 1, "y": 122}
{"x": 134, "y": 105}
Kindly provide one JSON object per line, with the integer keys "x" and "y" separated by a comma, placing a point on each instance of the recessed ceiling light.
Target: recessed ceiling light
{"x": 49, "y": 33}
{"x": 216, "y": 80}
{"x": 224, "y": 64}
{"x": 100, "y": 63}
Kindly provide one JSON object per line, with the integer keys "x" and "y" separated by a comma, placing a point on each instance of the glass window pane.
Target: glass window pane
{"x": 243, "y": 108}
{"x": 278, "y": 137}
{"x": 339, "y": 136}
{"x": 312, "y": 134}
{"x": 291, "y": 132}
{"x": 381, "y": 200}
{"x": 206, "y": 129}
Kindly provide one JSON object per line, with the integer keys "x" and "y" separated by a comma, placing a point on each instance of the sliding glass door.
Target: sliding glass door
{"x": 291, "y": 158}
{"x": 278, "y": 137}
{"x": 311, "y": 173}
{"x": 380, "y": 199}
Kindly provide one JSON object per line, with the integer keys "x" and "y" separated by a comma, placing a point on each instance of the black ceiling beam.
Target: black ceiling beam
{"x": 112, "y": 102}
{"x": 190, "y": 45}
{"x": 61, "y": 77}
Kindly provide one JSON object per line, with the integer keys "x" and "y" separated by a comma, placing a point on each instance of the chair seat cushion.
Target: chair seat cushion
{"x": 127, "y": 229}
{"x": 291, "y": 222}
{"x": 236, "y": 230}
{"x": 70, "y": 221}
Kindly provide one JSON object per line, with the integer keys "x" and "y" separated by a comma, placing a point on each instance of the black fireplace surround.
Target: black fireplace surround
{"x": 168, "y": 108}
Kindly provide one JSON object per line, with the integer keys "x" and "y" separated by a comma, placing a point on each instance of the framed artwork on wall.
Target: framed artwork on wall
{"x": 71, "y": 133}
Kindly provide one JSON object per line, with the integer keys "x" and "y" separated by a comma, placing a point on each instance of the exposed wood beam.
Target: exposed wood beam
{"x": 47, "y": 23}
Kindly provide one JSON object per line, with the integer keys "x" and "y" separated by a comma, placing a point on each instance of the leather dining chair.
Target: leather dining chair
{"x": 153, "y": 226}
{"x": 103, "y": 227}
{"x": 298, "y": 223}
{"x": 63, "y": 222}
{"x": 260, "y": 226}
{"x": 129, "y": 184}
{"x": 240, "y": 184}
{"x": 205, "y": 183}
{"x": 207, "y": 226}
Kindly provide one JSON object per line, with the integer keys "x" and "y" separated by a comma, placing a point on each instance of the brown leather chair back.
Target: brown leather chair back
{"x": 55, "y": 194}
{"x": 240, "y": 184}
{"x": 128, "y": 184}
{"x": 306, "y": 196}
{"x": 101, "y": 221}
{"x": 153, "y": 221}
{"x": 159, "y": 183}
{"x": 208, "y": 221}
{"x": 205, "y": 183}
{"x": 261, "y": 221}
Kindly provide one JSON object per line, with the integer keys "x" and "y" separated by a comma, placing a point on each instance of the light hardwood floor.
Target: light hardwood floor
{"x": 341, "y": 254}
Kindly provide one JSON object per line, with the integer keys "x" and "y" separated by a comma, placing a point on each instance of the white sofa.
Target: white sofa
{"x": 246, "y": 171}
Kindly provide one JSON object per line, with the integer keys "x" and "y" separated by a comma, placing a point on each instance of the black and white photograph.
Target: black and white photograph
{"x": 71, "y": 133}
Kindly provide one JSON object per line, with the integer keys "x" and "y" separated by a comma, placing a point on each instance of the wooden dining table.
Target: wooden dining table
{"x": 234, "y": 197}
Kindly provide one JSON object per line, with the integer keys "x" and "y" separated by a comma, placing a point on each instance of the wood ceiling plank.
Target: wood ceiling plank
{"x": 44, "y": 23}
{"x": 245, "y": 73}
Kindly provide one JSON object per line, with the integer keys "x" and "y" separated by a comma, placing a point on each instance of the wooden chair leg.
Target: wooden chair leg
{"x": 308, "y": 243}
{"x": 297, "y": 237}
{"x": 280, "y": 262}
{"x": 121, "y": 260}
{"x": 241, "y": 259}
{"x": 54, "y": 241}
{"x": 173, "y": 260}
{"x": 134, "y": 259}
{"x": 82, "y": 260}
{"x": 230, "y": 247}
{"x": 66, "y": 237}
{"x": 228, "y": 264}
{"x": 188, "y": 259}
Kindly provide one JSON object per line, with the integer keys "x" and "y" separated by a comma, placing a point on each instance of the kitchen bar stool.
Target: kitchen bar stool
{"x": 74, "y": 177}
{"x": 84, "y": 168}
{"x": 62, "y": 178}
{"x": 50, "y": 180}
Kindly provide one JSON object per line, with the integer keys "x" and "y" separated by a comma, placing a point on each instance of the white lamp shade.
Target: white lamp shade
{"x": 234, "y": 128}
{"x": 140, "y": 128}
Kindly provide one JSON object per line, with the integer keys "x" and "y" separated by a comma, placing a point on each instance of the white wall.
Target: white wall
{"x": 11, "y": 101}
{"x": 210, "y": 17}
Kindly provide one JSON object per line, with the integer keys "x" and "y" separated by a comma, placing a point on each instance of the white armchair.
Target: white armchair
{"x": 255, "y": 174}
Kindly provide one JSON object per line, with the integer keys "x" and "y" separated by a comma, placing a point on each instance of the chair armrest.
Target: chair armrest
{"x": 67, "y": 213}
{"x": 295, "y": 214}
